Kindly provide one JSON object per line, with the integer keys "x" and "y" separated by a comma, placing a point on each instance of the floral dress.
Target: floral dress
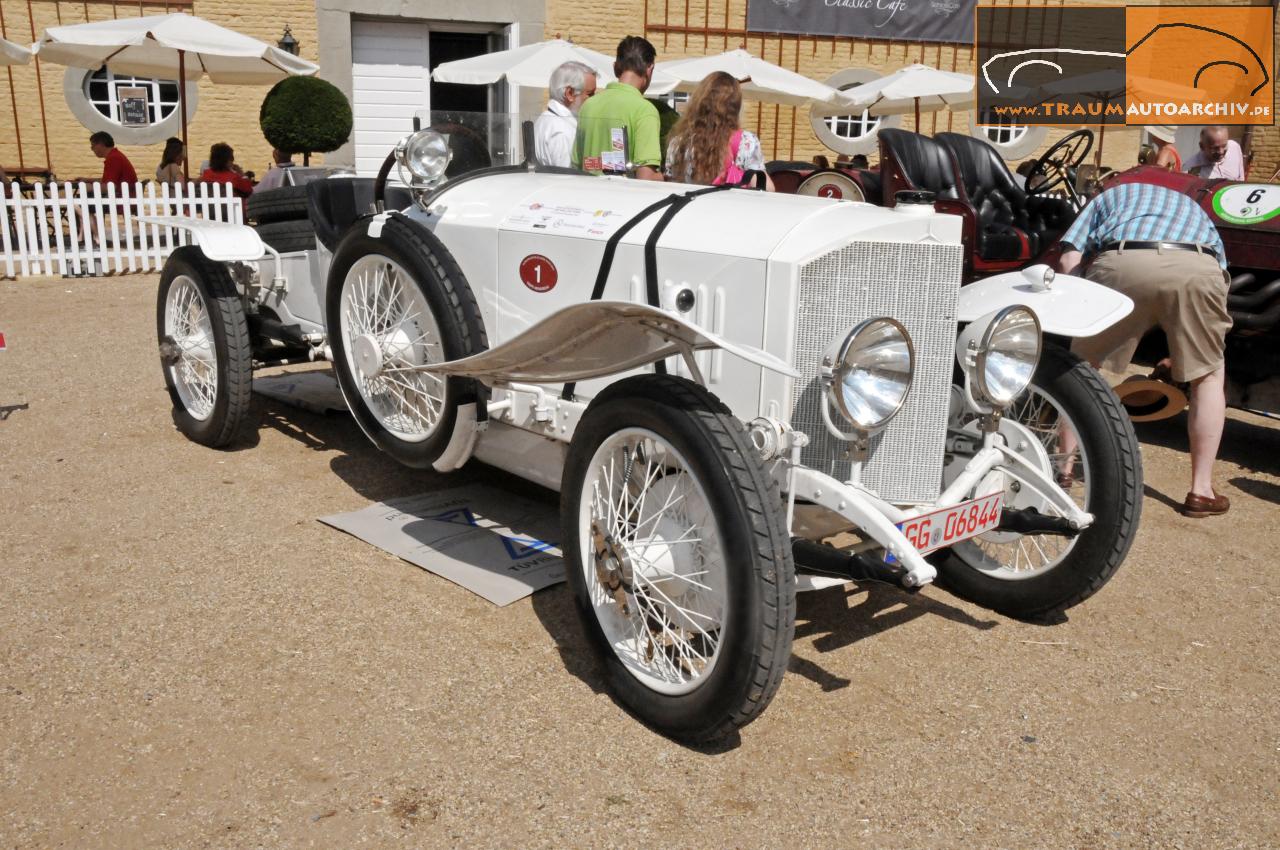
{"x": 749, "y": 158}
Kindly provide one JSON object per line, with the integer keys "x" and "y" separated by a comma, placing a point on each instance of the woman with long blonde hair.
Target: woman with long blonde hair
{"x": 708, "y": 145}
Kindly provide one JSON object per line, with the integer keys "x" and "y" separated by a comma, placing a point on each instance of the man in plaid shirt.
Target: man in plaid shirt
{"x": 1160, "y": 249}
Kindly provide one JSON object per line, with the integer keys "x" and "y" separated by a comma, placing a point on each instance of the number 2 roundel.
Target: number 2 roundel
{"x": 538, "y": 273}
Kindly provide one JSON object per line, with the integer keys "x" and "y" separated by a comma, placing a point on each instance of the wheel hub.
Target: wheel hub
{"x": 368, "y": 355}
{"x": 613, "y": 568}
{"x": 666, "y": 563}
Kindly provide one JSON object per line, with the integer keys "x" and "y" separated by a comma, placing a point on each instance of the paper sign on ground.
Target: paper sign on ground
{"x": 314, "y": 391}
{"x": 497, "y": 545}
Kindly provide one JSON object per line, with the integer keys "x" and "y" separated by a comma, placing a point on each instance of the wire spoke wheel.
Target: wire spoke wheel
{"x": 205, "y": 349}
{"x": 187, "y": 324}
{"x": 678, "y": 557}
{"x": 388, "y": 330}
{"x": 1072, "y": 427}
{"x": 1013, "y": 556}
{"x": 654, "y": 563}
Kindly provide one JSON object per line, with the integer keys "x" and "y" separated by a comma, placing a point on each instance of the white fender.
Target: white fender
{"x": 220, "y": 241}
{"x": 594, "y": 339}
{"x": 1066, "y": 305}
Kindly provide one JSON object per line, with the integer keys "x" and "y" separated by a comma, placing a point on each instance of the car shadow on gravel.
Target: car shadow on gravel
{"x": 839, "y": 617}
{"x": 835, "y": 618}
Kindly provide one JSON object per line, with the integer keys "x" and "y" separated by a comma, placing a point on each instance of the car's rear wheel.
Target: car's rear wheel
{"x": 677, "y": 557}
{"x": 397, "y": 302}
{"x": 205, "y": 350}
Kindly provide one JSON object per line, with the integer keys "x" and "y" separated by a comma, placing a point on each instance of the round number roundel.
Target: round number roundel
{"x": 538, "y": 273}
{"x": 830, "y": 190}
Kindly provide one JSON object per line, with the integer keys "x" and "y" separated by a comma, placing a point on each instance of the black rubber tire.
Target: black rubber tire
{"x": 287, "y": 203}
{"x": 232, "y": 349}
{"x": 758, "y": 630}
{"x": 453, "y": 306}
{"x": 1115, "y": 500}
{"x": 286, "y": 236}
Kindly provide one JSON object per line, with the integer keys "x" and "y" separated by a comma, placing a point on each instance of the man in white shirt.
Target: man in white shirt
{"x": 554, "y": 131}
{"x": 274, "y": 178}
{"x": 1219, "y": 156}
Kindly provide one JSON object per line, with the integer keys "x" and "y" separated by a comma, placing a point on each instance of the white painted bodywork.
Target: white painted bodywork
{"x": 220, "y": 241}
{"x": 1067, "y": 306}
{"x": 739, "y": 252}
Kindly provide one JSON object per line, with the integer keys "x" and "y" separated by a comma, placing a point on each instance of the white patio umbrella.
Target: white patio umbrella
{"x": 761, "y": 80}
{"x": 13, "y": 54}
{"x": 167, "y": 47}
{"x": 915, "y": 88}
{"x": 532, "y": 64}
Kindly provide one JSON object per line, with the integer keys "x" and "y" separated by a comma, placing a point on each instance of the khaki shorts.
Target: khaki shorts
{"x": 1182, "y": 292}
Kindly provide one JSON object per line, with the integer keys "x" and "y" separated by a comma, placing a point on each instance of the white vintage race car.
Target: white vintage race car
{"x": 716, "y": 382}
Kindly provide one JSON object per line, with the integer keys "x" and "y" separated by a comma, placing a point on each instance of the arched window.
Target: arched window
{"x": 853, "y": 132}
{"x": 852, "y": 126}
{"x": 101, "y": 89}
{"x": 1001, "y": 130}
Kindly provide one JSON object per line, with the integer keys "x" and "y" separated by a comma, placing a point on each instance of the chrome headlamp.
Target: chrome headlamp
{"x": 867, "y": 374}
{"x": 422, "y": 158}
{"x": 999, "y": 354}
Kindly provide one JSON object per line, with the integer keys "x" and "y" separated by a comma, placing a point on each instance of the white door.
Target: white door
{"x": 390, "y": 82}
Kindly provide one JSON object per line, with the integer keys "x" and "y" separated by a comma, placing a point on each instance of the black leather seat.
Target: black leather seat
{"x": 336, "y": 203}
{"x": 871, "y": 184}
{"x": 1007, "y": 215}
{"x": 924, "y": 164}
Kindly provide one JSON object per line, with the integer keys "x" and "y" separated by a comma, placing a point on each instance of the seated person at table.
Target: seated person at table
{"x": 170, "y": 169}
{"x": 116, "y": 169}
{"x": 274, "y": 178}
{"x": 223, "y": 169}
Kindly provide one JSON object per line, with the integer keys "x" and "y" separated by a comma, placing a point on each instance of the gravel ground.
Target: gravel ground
{"x": 189, "y": 659}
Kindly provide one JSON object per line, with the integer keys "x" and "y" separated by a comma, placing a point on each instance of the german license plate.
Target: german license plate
{"x": 948, "y": 526}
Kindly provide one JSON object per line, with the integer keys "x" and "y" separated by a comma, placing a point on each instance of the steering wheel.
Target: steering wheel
{"x": 1057, "y": 166}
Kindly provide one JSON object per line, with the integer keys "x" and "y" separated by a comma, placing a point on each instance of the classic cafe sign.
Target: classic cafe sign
{"x": 905, "y": 20}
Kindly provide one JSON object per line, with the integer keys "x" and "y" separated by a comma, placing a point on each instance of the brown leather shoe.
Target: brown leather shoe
{"x": 1199, "y": 507}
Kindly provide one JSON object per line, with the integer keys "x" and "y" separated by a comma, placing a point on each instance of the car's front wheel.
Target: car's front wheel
{"x": 1085, "y": 440}
{"x": 678, "y": 557}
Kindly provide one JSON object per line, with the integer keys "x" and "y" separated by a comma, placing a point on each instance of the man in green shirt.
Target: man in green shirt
{"x": 618, "y": 125}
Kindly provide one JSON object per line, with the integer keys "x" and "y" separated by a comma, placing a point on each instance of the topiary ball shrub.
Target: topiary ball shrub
{"x": 305, "y": 115}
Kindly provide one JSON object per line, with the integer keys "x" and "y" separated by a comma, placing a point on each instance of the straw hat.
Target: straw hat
{"x": 1163, "y": 134}
{"x": 1149, "y": 400}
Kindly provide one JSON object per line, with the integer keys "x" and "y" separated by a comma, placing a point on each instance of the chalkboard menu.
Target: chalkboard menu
{"x": 133, "y": 106}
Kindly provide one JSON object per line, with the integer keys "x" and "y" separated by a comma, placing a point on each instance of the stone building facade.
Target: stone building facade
{"x": 42, "y": 124}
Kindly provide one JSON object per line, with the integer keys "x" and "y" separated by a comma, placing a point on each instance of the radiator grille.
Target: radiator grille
{"x": 917, "y": 284}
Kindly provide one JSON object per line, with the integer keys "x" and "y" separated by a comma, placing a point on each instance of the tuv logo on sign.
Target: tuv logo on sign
{"x": 517, "y": 548}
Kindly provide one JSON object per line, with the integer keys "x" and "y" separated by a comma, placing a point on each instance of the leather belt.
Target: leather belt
{"x": 1130, "y": 244}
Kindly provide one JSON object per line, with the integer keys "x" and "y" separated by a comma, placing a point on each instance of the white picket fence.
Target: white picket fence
{"x": 45, "y": 234}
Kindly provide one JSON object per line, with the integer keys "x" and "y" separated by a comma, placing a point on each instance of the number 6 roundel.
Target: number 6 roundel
{"x": 538, "y": 273}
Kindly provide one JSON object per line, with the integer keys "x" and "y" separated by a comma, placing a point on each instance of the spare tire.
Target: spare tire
{"x": 287, "y": 236}
{"x": 288, "y": 203}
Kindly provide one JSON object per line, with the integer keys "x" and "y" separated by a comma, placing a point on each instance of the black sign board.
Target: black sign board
{"x": 133, "y": 106}
{"x": 899, "y": 20}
